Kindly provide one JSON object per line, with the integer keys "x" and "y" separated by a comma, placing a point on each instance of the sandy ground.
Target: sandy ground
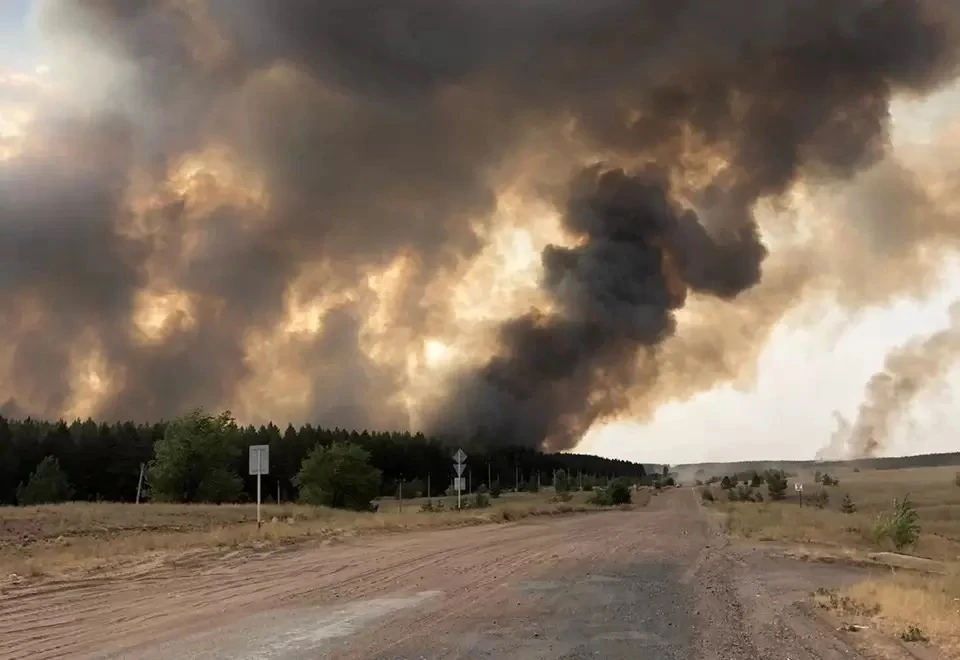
{"x": 655, "y": 583}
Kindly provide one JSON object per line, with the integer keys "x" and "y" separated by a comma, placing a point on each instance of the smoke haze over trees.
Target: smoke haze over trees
{"x": 300, "y": 210}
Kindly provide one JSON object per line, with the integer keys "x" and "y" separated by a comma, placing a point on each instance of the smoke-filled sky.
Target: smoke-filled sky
{"x": 528, "y": 222}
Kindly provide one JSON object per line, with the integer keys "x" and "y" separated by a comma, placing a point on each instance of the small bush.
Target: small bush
{"x": 495, "y": 490}
{"x": 827, "y": 480}
{"x": 899, "y": 525}
{"x": 601, "y": 497}
{"x": 756, "y": 481}
{"x": 914, "y": 634}
{"x": 707, "y": 495}
{"x": 619, "y": 492}
{"x": 480, "y": 499}
{"x": 956, "y": 479}
{"x": 562, "y": 496}
{"x": 671, "y": 482}
{"x": 698, "y": 482}
{"x": 847, "y": 505}
{"x": 821, "y": 498}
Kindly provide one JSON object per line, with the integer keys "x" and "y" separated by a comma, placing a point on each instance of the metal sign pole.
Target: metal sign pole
{"x": 259, "y": 477}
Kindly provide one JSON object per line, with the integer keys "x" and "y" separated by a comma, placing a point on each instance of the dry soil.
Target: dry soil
{"x": 661, "y": 582}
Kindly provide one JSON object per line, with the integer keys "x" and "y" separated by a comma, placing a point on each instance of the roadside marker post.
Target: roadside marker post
{"x": 458, "y": 460}
{"x": 259, "y": 465}
{"x": 140, "y": 482}
{"x": 799, "y": 489}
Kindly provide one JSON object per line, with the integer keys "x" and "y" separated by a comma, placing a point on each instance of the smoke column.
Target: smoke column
{"x": 908, "y": 371}
{"x": 271, "y": 205}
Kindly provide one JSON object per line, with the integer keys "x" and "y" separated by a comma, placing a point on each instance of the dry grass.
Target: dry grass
{"x": 932, "y": 490}
{"x": 901, "y": 600}
{"x": 79, "y": 537}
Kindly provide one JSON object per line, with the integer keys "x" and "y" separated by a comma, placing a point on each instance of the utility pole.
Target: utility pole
{"x": 489, "y": 481}
{"x": 516, "y": 479}
{"x": 140, "y": 483}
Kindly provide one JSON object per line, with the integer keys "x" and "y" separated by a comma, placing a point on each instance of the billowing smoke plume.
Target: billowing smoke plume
{"x": 269, "y": 205}
{"x": 908, "y": 371}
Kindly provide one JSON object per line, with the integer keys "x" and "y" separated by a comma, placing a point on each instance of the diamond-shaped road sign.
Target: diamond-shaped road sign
{"x": 460, "y": 468}
{"x": 459, "y": 457}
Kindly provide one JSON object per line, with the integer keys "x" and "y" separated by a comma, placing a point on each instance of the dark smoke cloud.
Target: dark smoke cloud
{"x": 386, "y": 128}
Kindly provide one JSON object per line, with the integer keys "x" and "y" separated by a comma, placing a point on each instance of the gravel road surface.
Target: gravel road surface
{"x": 660, "y": 582}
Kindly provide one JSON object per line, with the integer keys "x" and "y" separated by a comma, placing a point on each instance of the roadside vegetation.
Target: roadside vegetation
{"x": 907, "y": 520}
{"x": 195, "y": 501}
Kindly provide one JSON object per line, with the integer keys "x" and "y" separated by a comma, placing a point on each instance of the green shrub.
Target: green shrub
{"x": 495, "y": 490}
{"x": 562, "y": 496}
{"x": 899, "y": 525}
{"x": 601, "y": 497}
{"x": 706, "y": 494}
{"x": 338, "y": 476}
{"x": 726, "y": 483}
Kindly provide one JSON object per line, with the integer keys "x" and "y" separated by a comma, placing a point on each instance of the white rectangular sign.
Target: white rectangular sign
{"x": 459, "y": 483}
{"x": 259, "y": 459}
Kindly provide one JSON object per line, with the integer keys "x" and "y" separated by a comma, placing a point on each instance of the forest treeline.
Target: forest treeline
{"x": 102, "y": 461}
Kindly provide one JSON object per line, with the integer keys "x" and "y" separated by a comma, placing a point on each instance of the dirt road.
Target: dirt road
{"x": 655, "y": 583}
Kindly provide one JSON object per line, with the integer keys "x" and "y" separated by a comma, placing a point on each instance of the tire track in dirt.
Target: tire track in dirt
{"x": 644, "y": 583}
{"x": 82, "y": 616}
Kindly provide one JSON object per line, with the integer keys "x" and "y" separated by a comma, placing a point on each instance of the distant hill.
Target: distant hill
{"x": 691, "y": 470}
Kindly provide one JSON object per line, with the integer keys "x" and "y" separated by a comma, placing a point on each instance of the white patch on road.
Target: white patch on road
{"x": 287, "y": 634}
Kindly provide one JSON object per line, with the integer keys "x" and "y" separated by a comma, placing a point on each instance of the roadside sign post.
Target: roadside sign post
{"x": 799, "y": 489}
{"x": 458, "y": 460}
{"x": 259, "y": 465}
